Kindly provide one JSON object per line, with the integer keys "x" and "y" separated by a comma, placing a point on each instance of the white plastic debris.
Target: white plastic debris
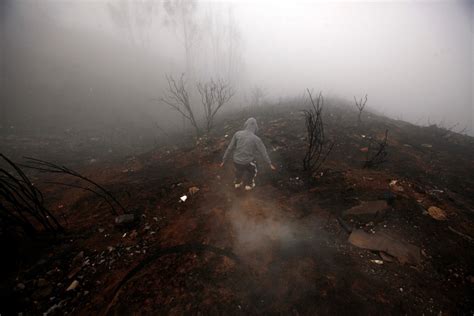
{"x": 183, "y": 198}
{"x": 377, "y": 261}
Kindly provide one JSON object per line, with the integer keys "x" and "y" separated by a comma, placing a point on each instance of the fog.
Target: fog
{"x": 85, "y": 63}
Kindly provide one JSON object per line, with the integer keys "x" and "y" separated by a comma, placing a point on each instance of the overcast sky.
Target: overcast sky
{"x": 413, "y": 58}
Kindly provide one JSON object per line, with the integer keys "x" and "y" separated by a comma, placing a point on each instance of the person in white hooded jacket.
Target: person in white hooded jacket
{"x": 245, "y": 146}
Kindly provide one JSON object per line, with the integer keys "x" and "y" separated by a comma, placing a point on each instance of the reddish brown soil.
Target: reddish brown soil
{"x": 278, "y": 249}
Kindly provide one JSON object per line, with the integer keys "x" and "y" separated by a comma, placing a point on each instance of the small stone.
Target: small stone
{"x": 193, "y": 190}
{"x": 78, "y": 257}
{"x": 437, "y": 213}
{"x": 124, "y": 219}
{"x": 41, "y": 282}
{"x": 73, "y": 286}
{"x": 20, "y": 286}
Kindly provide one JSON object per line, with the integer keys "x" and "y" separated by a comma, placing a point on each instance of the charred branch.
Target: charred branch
{"x": 44, "y": 166}
{"x": 317, "y": 147}
{"x": 379, "y": 156}
{"x": 22, "y": 204}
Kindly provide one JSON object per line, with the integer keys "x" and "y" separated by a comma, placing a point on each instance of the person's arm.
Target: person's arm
{"x": 229, "y": 149}
{"x": 263, "y": 151}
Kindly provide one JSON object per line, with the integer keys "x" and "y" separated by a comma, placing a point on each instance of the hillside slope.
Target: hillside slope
{"x": 279, "y": 249}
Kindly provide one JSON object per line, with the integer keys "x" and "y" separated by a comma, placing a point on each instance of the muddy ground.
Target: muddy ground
{"x": 279, "y": 249}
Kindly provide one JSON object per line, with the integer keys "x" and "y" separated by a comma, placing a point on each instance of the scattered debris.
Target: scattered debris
{"x": 124, "y": 219}
{"x": 20, "y": 286}
{"x": 393, "y": 184}
{"x": 78, "y": 257}
{"x": 41, "y": 282}
{"x": 376, "y": 261}
{"x": 193, "y": 190}
{"x": 183, "y": 198}
{"x": 404, "y": 252}
{"x": 437, "y": 213}
{"x": 73, "y": 286}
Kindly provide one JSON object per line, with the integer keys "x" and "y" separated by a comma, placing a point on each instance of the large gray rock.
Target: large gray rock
{"x": 368, "y": 210}
{"x": 124, "y": 219}
{"x": 380, "y": 241}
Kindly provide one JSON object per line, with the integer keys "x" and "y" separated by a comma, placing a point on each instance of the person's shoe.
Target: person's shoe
{"x": 238, "y": 185}
{"x": 248, "y": 188}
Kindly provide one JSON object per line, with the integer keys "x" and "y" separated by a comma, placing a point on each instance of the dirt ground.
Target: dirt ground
{"x": 279, "y": 249}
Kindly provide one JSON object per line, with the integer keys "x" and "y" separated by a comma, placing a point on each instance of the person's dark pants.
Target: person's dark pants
{"x": 245, "y": 173}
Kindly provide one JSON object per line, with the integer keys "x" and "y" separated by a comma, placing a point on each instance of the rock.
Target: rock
{"x": 133, "y": 234}
{"x": 78, "y": 257}
{"x": 41, "y": 282}
{"x": 124, "y": 219}
{"x": 404, "y": 252}
{"x": 193, "y": 190}
{"x": 427, "y": 145}
{"x": 73, "y": 286}
{"x": 437, "y": 213}
{"x": 20, "y": 286}
{"x": 74, "y": 272}
{"x": 386, "y": 257}
{"x": 393, "y": 184}
{"x": 43, "y": 293}
{"x": 368, "y": 209}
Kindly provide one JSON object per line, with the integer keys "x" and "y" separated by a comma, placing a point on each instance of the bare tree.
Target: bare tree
{"x": 316, "y": 152}
{"x": 214, "y": 95}
{"x": 222, "y": 33}
{"x": 135, "y": 17}
{"x": 181, "y": 15}
{"x": 360, "y": 105}
{"x": 177, "y": 97}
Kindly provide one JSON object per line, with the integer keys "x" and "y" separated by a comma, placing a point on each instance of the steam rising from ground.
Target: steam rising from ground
{"x": 262, "y": 229}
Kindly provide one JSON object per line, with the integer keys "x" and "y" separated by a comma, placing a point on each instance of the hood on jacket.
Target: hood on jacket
{"x": 251, "y": 125}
